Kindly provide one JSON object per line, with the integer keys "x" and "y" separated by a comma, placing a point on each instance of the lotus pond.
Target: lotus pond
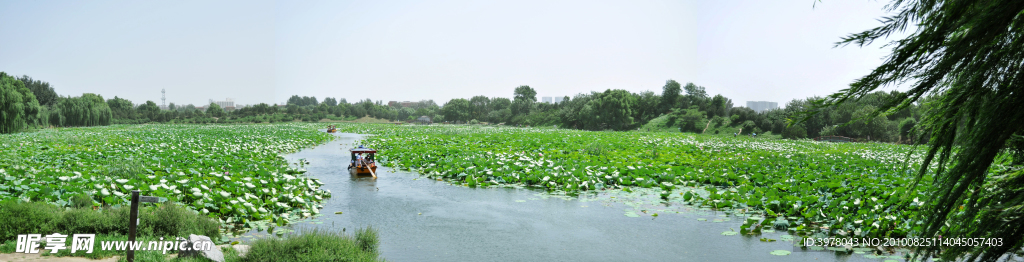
{"x": 233, "y": 172}
{"x": 836, "y": 189}
{"x": 239, "y": 173}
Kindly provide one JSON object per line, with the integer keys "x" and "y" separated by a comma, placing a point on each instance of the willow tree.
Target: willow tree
{"x": 968, "y": 54}
{"x": 18, "y": 106}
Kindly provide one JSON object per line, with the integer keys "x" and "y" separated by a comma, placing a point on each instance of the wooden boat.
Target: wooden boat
{"x": 332, "y": 130}
{"x": 365, "y": 166}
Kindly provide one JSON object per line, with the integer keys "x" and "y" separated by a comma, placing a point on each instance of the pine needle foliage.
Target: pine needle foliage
{"x": 969, "y": 56}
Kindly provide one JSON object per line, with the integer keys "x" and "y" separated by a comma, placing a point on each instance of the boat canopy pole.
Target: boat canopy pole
{"x": 368, "y": 168}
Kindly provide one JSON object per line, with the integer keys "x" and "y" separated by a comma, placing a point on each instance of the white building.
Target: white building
{"x": 558, "y": 99}
{"x": 228, "y": 102}
{"x": 227, "y": 105}
{"x": 761, "y": 106}
{"x": 546, "y": 99}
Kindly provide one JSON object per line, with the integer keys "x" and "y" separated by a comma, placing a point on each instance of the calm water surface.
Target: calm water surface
{"x": 425, "y": 220}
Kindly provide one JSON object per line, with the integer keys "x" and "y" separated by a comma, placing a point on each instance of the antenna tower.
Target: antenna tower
{"x": 163, "y": 97}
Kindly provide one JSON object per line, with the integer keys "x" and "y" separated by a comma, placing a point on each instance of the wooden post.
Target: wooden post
{"x": 133, "y": 217}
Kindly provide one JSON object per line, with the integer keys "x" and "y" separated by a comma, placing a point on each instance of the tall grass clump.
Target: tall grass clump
{"x": 317, "y": 245}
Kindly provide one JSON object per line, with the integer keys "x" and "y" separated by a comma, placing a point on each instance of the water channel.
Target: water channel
{"x": 419, "y": 219}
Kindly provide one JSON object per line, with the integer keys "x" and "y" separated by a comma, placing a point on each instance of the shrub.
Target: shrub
{"x": 25, "y": 217}
{"x": 315, "y": 245}
{"x": 81, "y": 201}
{"x": 164, "y": 220}
{"x": 794, "y": 132}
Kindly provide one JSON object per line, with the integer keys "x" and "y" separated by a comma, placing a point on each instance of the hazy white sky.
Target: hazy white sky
{"x": 266, "y": 51}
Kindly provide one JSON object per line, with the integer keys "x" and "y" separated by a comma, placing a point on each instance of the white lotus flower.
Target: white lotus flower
{"x": 121, "y": 181}
{"x": 247, "y": 204}
{"x": 197, "y": 194}
{"x": 104, "y": 192}
{"x": 234, "y": 202}
{"x": 204, "y": 187}
{"x": 154, "y": 187}
{"x": 128, "y": 187}
{"x": 546, "y": 178}
{"x": 225, "y": 194}
{"x": 250, "y": 185}
{"x": 118, "y": 193}
{"x": 182, "y": 181}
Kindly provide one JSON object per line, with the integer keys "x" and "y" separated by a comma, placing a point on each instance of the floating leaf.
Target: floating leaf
{"x": 780, "y": 252}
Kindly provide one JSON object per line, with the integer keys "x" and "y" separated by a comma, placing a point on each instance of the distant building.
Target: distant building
{"x": 423, "y": 120}
{"x": 761, "y": 106}
{"x": 403, "y": 103}
{"x": 227, "y": 105}
{"x": 546, "y": 99}
{"x": 558, "y": 99}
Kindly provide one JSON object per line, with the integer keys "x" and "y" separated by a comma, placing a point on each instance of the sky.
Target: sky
{"x": 266, "y": 51}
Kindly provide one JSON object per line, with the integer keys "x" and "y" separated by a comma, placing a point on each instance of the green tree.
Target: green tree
{"x": 121, "y": 108}
{"x": 646, "y": 107}
{"x": 669, "y": 95}
{"x": 690, "y": 120}
{"x": 612, "y": 109}
{"x": 148, "y": 110}
{"x": 794, "y": 132}
{"x": 907, "y": 128}
{"x": 480, "y": 107}
{"x": 720, "y": 106}
{"x": 18, "y": 106}
{"x": 457, "y": 109}
{"x": 695, "y": 96}
{"x": 42, "y": 90}
{"x": 523, "y": 100}
{"x": 330, "y": 101}
{"x": 214, "y": 110}
{"x": 86, "y": 110}
{"x": 970, "y": 53}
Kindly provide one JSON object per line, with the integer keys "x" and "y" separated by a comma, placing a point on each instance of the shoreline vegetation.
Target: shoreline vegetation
{"x": 812, "y": 189}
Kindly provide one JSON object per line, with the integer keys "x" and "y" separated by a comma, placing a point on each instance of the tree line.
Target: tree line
{"x": 685, "y": 108}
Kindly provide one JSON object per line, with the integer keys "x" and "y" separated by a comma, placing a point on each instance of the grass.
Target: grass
{"x": 167, "y": 220}
{"x": 317, "y": 245}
